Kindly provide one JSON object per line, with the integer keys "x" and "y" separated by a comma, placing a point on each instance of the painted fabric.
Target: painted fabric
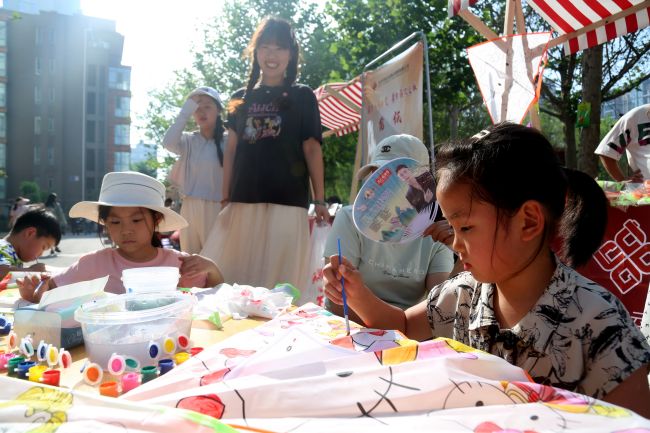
{"x": 301, "y": 373}
{"x": 578, "y": 336}
{"x": 28, "y": 407}
{"x": 8, "y": 254}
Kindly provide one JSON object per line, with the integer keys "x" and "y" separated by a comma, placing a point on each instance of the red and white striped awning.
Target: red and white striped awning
{"x": 594, "y": 21}
{"x": 340, "y": 106}
{"x": 455, "y": 6}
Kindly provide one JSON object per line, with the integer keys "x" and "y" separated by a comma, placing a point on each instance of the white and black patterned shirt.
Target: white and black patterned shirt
{"x": 578, "y": 336}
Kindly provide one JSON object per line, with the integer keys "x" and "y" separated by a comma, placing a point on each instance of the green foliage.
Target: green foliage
{"x": 148, "y": 167}
{"x": 30, "y": 189}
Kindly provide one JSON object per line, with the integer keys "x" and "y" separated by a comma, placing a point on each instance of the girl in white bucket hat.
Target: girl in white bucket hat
{"x": 131, "y": 208}
{"x": 198, "y": 172}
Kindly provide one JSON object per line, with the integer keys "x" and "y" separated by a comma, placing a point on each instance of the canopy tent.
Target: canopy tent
{"x": 580, "y": 24}
{"x": 340, "y": 106}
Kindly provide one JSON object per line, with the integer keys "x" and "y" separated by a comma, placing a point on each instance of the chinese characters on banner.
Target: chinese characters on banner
{"x": 393, "y": 97}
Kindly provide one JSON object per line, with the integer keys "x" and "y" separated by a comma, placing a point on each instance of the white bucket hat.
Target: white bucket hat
{"x": 395, "y": 146}
{"x": 131, "y": 189}
{"x": 208, "y": 91}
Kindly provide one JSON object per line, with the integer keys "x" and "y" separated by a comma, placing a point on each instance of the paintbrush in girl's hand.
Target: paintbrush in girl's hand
{"x": 345, "y": 301}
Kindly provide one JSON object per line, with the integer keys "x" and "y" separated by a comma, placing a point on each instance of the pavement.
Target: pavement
{"x": 72, "y": 247}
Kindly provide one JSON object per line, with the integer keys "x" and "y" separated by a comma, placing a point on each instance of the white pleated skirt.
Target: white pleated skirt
{"x": 260, "y": 244}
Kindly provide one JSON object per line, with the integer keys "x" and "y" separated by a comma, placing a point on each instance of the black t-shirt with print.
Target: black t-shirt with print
{"x": 269, "y": 165}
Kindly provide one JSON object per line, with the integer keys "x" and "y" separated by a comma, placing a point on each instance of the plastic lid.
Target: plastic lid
{"x": 133, "y": 308}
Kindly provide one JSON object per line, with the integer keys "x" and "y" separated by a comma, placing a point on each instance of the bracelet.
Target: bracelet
{"x": 319, "y": 202}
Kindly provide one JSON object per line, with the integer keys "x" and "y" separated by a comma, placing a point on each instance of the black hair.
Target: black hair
{"x": 271, "y": 30}
{"x": 51, "y": 199}
{"x": 399, "y": 167}
{"x": 217, "y": 135}
{"x": 42, "y": 220}
{"x": 508, "y": 164}
{"x": 103, "y": 212}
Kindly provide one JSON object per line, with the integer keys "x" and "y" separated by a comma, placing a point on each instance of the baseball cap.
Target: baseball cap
{"x": 208, "y": 91}
{"x": 395, "y": 146}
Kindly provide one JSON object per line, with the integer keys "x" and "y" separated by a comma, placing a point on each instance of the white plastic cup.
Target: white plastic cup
{"x": 150, "y": 279}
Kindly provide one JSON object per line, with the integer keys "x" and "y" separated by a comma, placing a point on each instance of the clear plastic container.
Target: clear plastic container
{"x": 150, "y": 279}
{"x": 129, "y": 324}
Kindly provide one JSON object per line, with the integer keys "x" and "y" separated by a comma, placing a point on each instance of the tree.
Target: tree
{"x": 218, "y": 62}
{"x": 31, "y": 190}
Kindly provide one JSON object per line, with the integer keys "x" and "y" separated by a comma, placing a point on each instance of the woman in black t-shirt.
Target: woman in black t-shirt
{"x": 273, "y": 150}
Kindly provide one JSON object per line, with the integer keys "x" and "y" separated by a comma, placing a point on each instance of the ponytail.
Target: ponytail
{"x": 218, "y": 138}
{"x": 584, "y": 219}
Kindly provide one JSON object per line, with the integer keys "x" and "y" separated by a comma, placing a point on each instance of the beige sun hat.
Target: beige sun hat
{"x": 395, "y": 146}
{"x": 130, "y": 189}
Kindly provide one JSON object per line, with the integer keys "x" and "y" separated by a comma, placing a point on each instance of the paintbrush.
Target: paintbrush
{"x": 345, "y": 300}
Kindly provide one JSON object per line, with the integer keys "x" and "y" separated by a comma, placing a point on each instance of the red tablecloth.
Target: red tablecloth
{"x": 622, "y": 263}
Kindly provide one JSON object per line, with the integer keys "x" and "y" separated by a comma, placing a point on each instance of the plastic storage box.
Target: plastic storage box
{"x": 130, "y": 324}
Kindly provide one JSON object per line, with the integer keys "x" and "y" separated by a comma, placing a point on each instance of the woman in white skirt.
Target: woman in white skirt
{"x": 273, "y": 149}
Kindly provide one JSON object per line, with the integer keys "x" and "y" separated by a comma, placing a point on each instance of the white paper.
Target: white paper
{"x": 81, "y": 290}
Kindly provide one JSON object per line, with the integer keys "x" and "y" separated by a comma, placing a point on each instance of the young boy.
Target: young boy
{"x": 35, "y": 231}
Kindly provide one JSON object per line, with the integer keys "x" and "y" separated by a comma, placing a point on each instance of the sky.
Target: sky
{"x": 158, "y": 35}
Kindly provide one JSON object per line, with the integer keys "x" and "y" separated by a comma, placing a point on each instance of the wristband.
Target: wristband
{"x": 319, "y": 202}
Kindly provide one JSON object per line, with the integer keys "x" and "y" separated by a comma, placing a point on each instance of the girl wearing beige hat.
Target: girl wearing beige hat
{"x": 131, "y": 208}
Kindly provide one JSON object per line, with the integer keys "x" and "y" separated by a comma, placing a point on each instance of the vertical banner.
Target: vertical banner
{"x": 393, "y": 98}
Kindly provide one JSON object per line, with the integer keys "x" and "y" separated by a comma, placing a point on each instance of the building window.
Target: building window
{"x": 50, "y": 155}
{"x": 90, "y": 131}
{"x": 122, "y": 106}
{"x": 3, "y": 33}
{"x": 3, "y": 94}
{"x": 91, "y": 75}
{"x": 3, "y": 64}
{"x": 37, "y": 125}
{"x": 90, "y": 103}
{"x": 119, "y": 78}
{"x": 52, "y": 65}
{"x": 50, "y": 125}
{"x": 3, "y": 188}
{"x": 37, "y": 94}
{"x": 101, "y": 105}
{"x": 122, "y": 161}
{"x": 3, "y": 155}
{"x": 100, "y": 132}
{"x": 37, "y": 35}
{"x": 3, "y": 125}
{"x": 90, "y": 159}
{"x": 37, "y": 154}
{"x": 52, "y": 95}
{"x": 37, "y": 66}
{"x": 122, "y": 134}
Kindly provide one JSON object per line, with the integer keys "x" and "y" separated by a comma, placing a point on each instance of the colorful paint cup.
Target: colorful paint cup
{"x": 12, "y": 365}
{"x": 4, "y": 360}
{"x": 109, "y": 389}
{"x": 132, "y": 364}
{"x": 164, "y": 365}
{"x": 195, "y": 351}
{"x": 27, "y": 347}
{"x": 169, "y": 345}
{"x": 5, "y": 326}
{"x": 116, "y": 364}
{"x": 181, "y": 357}
{"x": 183, "y": 341}
{"x": 51, "y": 377}
{"x": 12, "y": 340}
{"x": 22, "y": 369}
{"x": 36, "y": 372}
{"x": 93, "y": 374}
{"x": 65, "y": 359}
{"x": 150, "y": 372}
{"x": 154, "y": 350}
{"x": 41, "y": 352}
{"x": 52, "y": 355}
{"x": 130, "y": 381}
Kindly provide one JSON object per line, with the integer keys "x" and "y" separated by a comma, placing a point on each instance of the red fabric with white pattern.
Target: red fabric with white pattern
{"x": 568, "y": 16}
{"x": 456, "y": 6}
{"x": 335, "y": 114}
